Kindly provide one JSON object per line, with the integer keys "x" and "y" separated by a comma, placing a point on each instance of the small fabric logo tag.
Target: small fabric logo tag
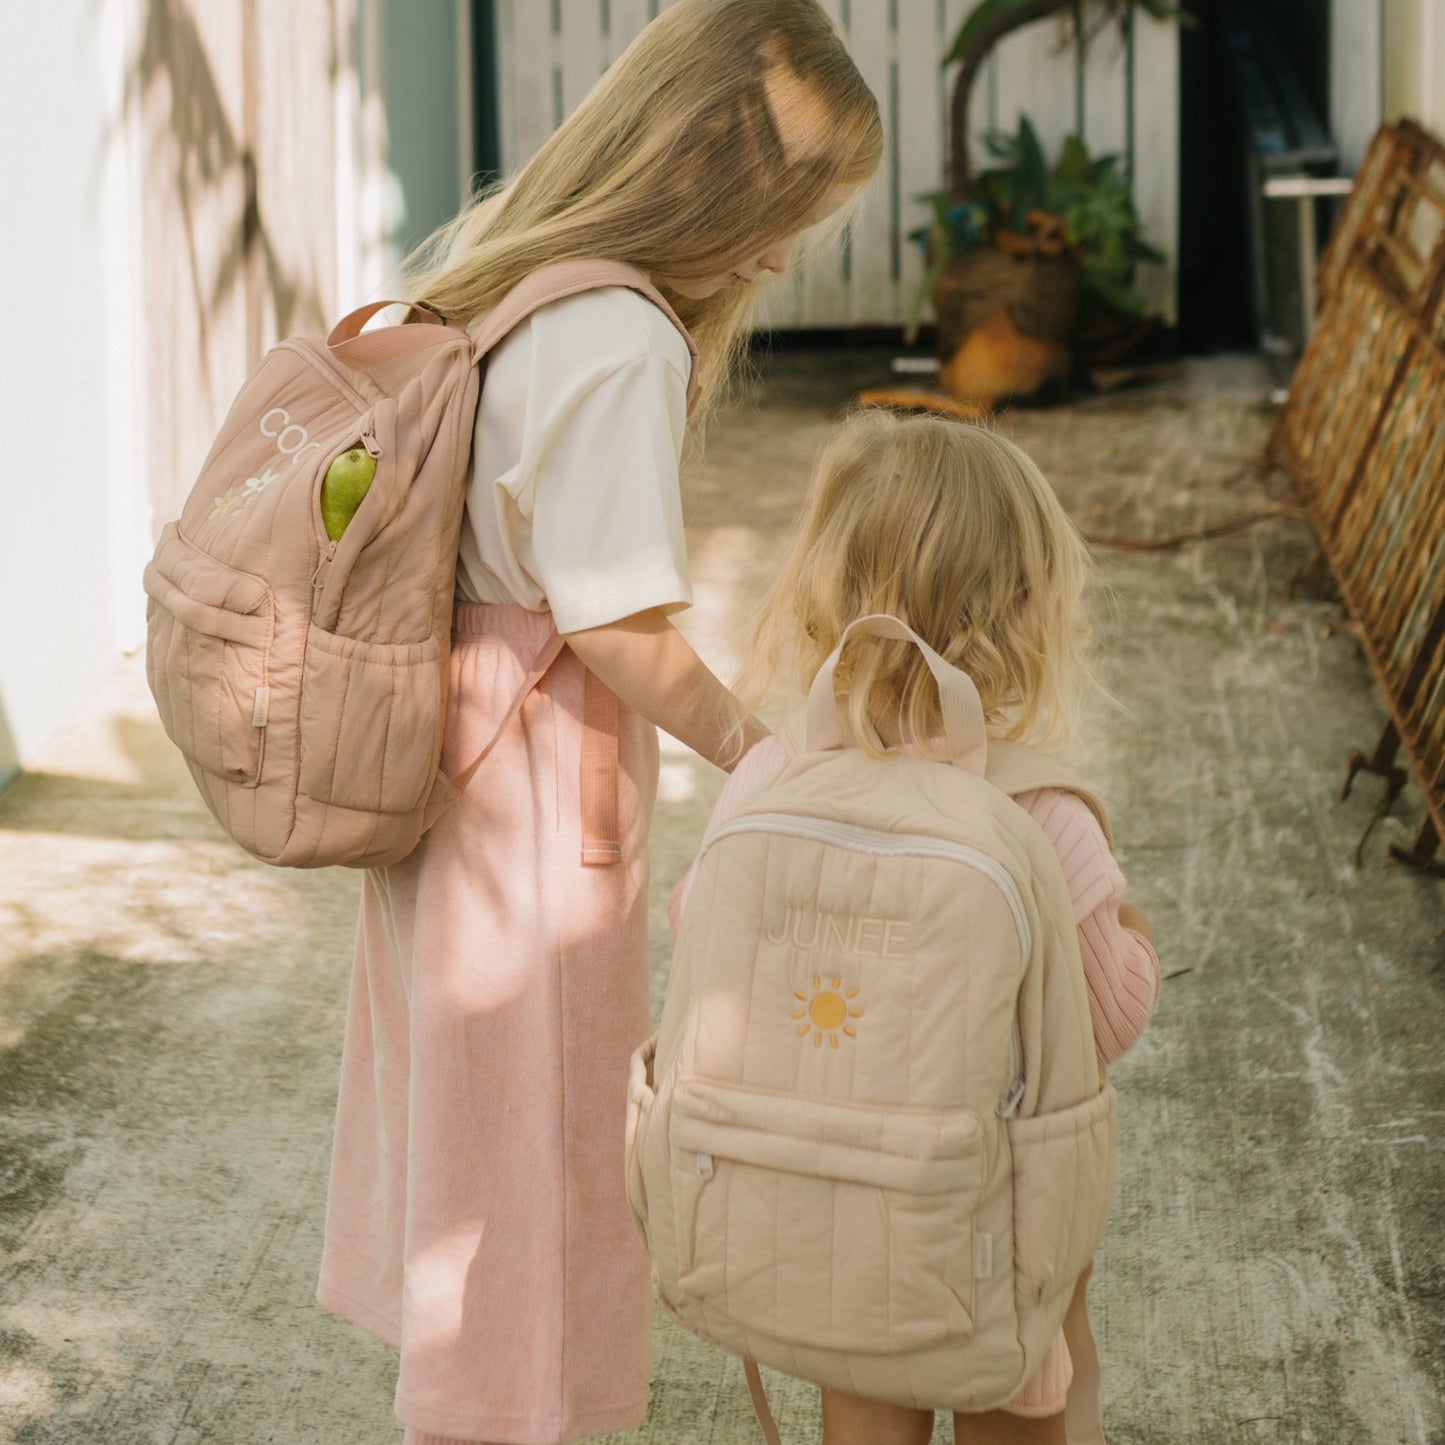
{"x": 261, "y": 707}
{"x": 983, "y": 1256}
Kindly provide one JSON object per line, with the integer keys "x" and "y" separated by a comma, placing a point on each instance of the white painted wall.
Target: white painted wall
{"x": 75, "y": 532}
{"x": 1414, "y": 62}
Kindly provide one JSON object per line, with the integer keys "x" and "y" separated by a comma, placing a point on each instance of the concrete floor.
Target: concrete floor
{"x": 170, "y": 1012}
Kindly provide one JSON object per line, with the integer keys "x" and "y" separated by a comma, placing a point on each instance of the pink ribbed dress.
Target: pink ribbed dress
{"x": 477, "y": 1218}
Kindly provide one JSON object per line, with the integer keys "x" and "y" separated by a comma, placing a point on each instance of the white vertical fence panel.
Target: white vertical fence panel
{"x": 1036, "y": 78}
{"x": 872, "y": 280}
{"x": 1156, "y": 155}
{"x": 918, "y": 142}
{"x": 527, "y": 52}
{"x": 552, "y": 51}
{"x": 815, "y": 293}
{"x": 625, "y": 23}
{"x": 1106, "y": 81}
{"x": 583, "y": 49}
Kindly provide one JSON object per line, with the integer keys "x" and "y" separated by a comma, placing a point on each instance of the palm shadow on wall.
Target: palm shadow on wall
{"x": 211, "y": 157}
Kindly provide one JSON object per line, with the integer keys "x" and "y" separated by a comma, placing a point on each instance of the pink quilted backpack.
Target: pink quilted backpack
{"x": 305, "y": 679}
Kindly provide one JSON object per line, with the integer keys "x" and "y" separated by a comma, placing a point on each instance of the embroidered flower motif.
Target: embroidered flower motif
{"x": 256, "y": 485}
{"x": 825, "y": 1012}
{"x": 225, "y": 502}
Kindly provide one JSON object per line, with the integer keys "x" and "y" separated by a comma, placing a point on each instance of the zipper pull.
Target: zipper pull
{"x": 369, "y": 441}
{"x": 1009, "y": 1104}
{"x": 318, "y": 580}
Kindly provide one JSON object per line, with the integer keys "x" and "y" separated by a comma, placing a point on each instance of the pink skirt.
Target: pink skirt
{"x": 477, "y": 1218}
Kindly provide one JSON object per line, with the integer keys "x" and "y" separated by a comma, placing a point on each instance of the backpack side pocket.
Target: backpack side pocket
{"x": 209, "y": 631}
{"x": 1063, "y": 1171}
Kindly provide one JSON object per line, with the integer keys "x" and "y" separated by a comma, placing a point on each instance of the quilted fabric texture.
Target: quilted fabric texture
{"x": 304, "y": 679}
{"x": 870, "y": 1144}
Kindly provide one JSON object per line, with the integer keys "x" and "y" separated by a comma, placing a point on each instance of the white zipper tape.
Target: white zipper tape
{"x": 859, "y": 839}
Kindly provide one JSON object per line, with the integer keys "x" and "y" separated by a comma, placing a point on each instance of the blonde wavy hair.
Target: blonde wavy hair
{"x": 723, "y": 129}
{"x": 953, "y": 529}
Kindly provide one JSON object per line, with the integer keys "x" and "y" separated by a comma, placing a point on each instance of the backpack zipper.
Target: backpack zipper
{"x": 914, "y": 845}
{"x": 368, "y": 440}
{"x": 318, "y": 578}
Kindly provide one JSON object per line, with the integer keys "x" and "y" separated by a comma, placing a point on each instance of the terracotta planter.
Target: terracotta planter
{"x": 1042, "y": 293}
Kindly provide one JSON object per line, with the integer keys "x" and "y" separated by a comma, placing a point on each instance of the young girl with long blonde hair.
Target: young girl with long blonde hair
{"x": 477, "y": 1218}
{"x": 952, "y": 529}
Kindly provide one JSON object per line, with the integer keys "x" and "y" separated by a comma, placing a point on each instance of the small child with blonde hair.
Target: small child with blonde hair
{"x": 952, "y": 529}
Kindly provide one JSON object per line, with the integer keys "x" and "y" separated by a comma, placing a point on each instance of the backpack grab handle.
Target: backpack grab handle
{"x": 963, "y": 724}
{"x": 348, "y": 344}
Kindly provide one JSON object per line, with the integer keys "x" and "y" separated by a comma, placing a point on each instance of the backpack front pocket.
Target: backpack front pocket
{"x": 371, "y": 716}
{"x": 831, "y": 1226}
{"x": 209, "y": 630}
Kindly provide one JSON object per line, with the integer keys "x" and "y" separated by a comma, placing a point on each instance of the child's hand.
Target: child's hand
{"x": 1135, "y": 921}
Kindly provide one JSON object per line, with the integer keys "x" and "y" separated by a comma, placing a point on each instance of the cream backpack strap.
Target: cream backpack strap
{"x": 766, "y": 1423}
{"x": 568, "y": 278}
{"x": 790, "y": 733}
{"x": 1016, "y": 769}
{"x": 963, "y": 724}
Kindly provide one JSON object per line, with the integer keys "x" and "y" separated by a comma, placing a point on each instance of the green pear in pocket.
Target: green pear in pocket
{"x": 345, "y": 484}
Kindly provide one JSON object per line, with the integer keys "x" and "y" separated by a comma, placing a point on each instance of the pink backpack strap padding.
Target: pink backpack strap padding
{"x": 568, "y": 278}
{"x": 601, "y": 827}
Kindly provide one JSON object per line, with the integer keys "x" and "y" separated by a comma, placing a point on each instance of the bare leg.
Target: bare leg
{"x": 998, "y": 1427}
{"x": 848, "y": 1420}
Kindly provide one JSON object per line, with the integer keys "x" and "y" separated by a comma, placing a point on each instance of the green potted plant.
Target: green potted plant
{"x": 1044, "y": 241}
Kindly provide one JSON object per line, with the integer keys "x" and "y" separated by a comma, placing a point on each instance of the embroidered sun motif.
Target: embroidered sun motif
{"x": 825, "y": 1012}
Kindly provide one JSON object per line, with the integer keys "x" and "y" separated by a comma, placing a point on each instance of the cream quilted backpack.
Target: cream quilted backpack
{"x": 305, "y": 679}
{"x": 870, "y": 1144}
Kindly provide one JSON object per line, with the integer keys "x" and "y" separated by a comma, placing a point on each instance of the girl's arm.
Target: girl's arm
{"x": 648, "y": 663}
{"x": 1115, "y": 940}
{"x": 1122, "y": 974}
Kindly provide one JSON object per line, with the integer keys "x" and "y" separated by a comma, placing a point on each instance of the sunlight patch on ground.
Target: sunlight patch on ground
{"x": 676, "y": 783}
{"x": 26, "y": 1394}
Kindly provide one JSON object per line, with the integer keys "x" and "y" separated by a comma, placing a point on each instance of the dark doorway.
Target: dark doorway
{"x": 1216, "y": 268}
{"x": 486, "y": 125}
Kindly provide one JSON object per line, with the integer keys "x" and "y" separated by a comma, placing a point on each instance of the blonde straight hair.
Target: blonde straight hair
{"x": 952, "y": 528}
{"x": 723, "y": 129}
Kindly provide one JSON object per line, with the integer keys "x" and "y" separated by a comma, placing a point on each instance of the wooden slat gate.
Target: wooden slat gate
{"x": 550, "y": 52}
{"x": 1363, "y": 434}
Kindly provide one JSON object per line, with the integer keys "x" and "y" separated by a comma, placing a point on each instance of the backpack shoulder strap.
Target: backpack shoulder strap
{"x": 1017, "y": 769}
{"x": 789, "y": 732}
{"x": 568, "y": 278}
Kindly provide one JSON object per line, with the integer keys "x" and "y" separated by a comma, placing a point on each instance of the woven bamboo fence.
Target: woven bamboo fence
{"x": 1363, "y": 435}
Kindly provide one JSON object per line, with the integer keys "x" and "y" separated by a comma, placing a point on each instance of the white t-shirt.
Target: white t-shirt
{"x": 573, "y": 504}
